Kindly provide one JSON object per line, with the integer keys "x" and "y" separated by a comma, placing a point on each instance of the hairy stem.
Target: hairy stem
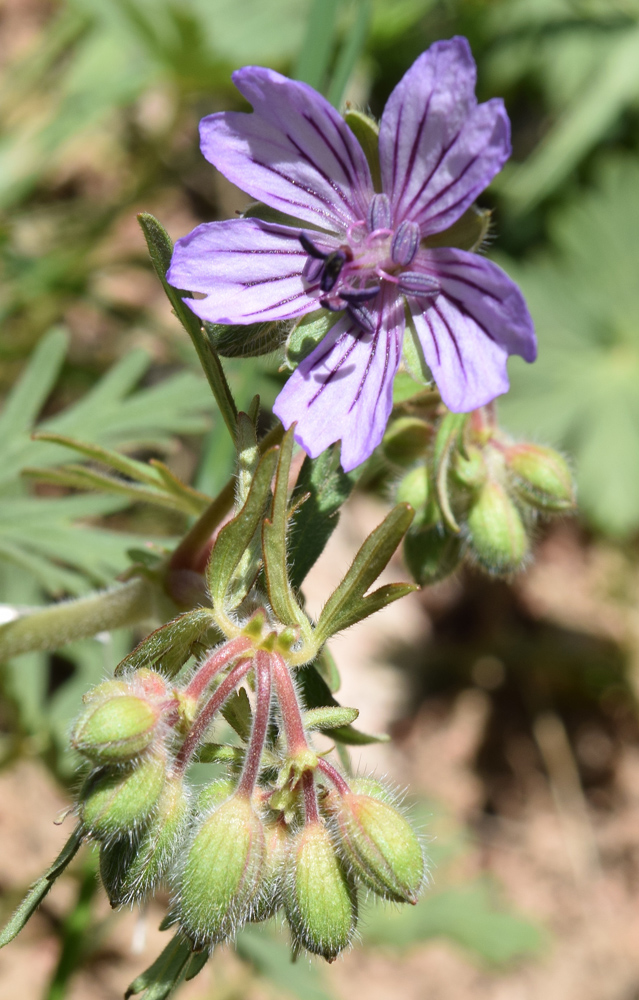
{"x": 311, "y": 809}
{"x": 214, "y": 663}
{"x": 213, "y": 705}
{"x": 289, "y": 706}
{"x": 333, "y": 775}
{"x": 59, "y": 624}
{"x": 260, "y": 723}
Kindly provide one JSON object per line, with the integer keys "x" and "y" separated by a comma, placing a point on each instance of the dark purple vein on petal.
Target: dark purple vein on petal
{"x": 445, "y": 151}
{"x": 453, "y": 338}
{"x": 331, "y": 375}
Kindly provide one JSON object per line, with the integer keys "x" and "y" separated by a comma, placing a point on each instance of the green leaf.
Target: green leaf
{"x": 315, "y": 55}
{"x": 161, "y": 978}
{"x": 237, "y": 712}
{"x": 317, "y": 695}
{"x": 170, "y": 645}
{"x": 366, "y": 130}
{"x": 324, "y": 487}
{"x": 24, "y": 402}
{"x": 253, "y": 341}
{"x": 352, "y": 49}
{"x": 235, "y": 537}
{"x": 347, "y": 603}
{"x": 329, "y": 717}
{"x": 447, "y": 440}
{"x": 274, "y": 530}
{"x": 306, "y": 335}
{"x": 40, "y": 888}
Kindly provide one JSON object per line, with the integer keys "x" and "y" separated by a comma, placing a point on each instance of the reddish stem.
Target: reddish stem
{"x": 215, "y": 662}
{"x": 333, "y": 775}
{"x": 311, "y": 809}
{"x": 289, "y": 706}
{"x": 260, "y": 723}
{"x": 213, "y": 705}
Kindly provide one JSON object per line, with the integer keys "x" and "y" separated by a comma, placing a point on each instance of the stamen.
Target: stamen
{"x": 310, "y": 247}
{"x": 357, "y": 295}
{"x": 363, "y": 317}
{"x": 379, "y": 213}
{"x": 312, "y": 269}
{"x": 405, "y": 243}
{"x": 333, "y": 264}
{"x": 418, "y": 284}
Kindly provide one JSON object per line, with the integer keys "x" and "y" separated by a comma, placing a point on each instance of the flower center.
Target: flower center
{"x": 373, "y": 253}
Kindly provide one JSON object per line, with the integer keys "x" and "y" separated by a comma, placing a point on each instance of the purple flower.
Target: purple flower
{"x": 362, "y": 253}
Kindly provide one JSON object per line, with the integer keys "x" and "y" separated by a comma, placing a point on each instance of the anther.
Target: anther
{"x": 357, "y": 295}
{"x": 310, "y": 247}
{"x": 333, "y": 264}
{"x": 362, "y": 317}
{"x": 379, "y": 213}
{"x": 418, "y": 284}
{"x": 405, "y": 243}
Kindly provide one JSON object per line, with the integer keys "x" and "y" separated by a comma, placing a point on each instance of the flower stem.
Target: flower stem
{"x": 333, "y": 775}
{"x": 213, "y": 705}
{"x": 61, "y": 623}
{"x": 289, "y": 706}
{"x": 311, "y": 809}
{"x": 214, "y": 663}
{"x": 260, "y": 724}
{"x": 193, "y": 551}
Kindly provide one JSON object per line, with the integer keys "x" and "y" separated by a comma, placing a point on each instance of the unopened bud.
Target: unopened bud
{"x": 380, "y": 845}
{"x": 542, "y": 477}
{"x": 115, "y": 729}
{"x": 320, "y": 899}
{"x": 132, "y": 869}
{"x": 108, "y": 689}
{"x": 222, "y": 872}
{"x": 431, "y": 553}
{"x": 120, "y": 801}
{"x": 269, "y": 899}
{"x": 470, "y": 469}
{"x": 214, "y": 795}
{"x": 497, "y": 534}
{"x": 414, "y": 488}
{"x": 406, "y": 440}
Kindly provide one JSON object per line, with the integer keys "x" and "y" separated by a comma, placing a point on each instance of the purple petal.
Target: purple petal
{"x": 294, "y": 153}
{"x": 250, "y": 271}
{"x": 470, "y": 329}
{"x": 438, "y": 148}
{"x": 344, "y": 389}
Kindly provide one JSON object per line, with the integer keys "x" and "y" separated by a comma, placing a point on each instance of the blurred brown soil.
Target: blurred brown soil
{"x": 541, "y": 768}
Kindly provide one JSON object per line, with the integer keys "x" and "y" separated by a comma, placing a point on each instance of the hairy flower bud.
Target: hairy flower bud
{"x": 320, "y": 899}
{"x": 133, "y": 867}
{"x": 431, "y": 553}
{"x": 115, "y": 729}
{"x": 414, "y": 488}
{"x": 269, "y": 900}
{"x": 379, "y": 844}
{"x": 542, "y": 477}
{"x": 497, "y": 534}
{"x": 119, "y": 801}
{"x": 222, "y": 872}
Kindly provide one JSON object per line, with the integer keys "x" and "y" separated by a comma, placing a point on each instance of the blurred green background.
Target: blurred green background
{"x": 99, "y": 105}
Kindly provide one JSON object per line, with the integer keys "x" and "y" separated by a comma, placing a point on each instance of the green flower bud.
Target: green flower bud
{"x": 414, "y": 488}
{"x": 406, "y": 440}
{"x": 133, "y": 868}
{"x": 115, "y": 729}
{"x": 320, "y": 899}
{"x": 380, "y": 845}
{"x": 431, "y": 553}
{"x": 470, "y": 470}
{"x": 121, "y": 801}
{"x": 222, "y": 872}
{"x": 214, "y": 795}
{"x": 497, "y": 534}
{"x": 108, "y": 689}
{"x": 542, "y": 477}
{"x": 277, "y": 845}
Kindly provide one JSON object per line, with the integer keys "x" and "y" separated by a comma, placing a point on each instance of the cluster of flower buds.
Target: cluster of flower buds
{"x": 282, "y": 830}
{"x": 476, "y": 492}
